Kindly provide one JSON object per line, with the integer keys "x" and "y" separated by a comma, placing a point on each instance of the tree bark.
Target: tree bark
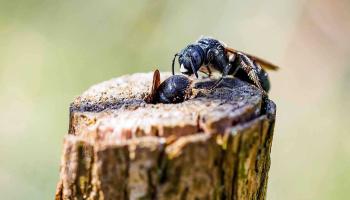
{"x": 215, "y": 145}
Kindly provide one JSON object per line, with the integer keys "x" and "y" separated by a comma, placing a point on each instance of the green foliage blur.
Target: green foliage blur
{"x": 51, "y": 51}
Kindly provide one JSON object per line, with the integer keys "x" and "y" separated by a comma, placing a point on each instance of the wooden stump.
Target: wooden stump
{"x": 216, "y": 145}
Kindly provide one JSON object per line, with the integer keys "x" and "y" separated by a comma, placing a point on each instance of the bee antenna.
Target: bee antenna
{"x": 173, "y": 64}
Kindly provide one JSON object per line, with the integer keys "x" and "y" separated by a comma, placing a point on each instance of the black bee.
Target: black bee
{"x": 174, "y": 89}
{"x": 208, "y": 54}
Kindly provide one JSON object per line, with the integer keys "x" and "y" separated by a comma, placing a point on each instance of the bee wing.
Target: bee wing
{"x": 155, "y": 84}
{"x": 156, "y": 81}
{"x": 264, "y": 63}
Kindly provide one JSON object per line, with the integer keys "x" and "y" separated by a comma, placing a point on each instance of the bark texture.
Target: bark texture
{"x": 215, "y": 145}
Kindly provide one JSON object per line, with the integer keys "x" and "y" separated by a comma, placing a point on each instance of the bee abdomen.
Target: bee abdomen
{"x": 173, "y": 90}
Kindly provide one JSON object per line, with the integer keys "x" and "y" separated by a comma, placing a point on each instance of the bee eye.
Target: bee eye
{"x": 187, "y": 65}
{"x": 197, "y": 59}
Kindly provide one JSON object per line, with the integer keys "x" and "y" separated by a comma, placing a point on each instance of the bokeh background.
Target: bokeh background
{"x": 51, "y": 51}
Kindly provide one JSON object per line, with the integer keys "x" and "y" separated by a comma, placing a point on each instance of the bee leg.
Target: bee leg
{"x": 227, "y": 68}
{"x": 236, "y": 70}
{"x": 207, "y": 74}
{"x": 217, "y": 83}
{"x": 219, "y": 57}
{"x": 206, "y": 70}
{"x": 264, "y": 78}
{"x": 251, "y": 69}
{"x": 209, "y": 71}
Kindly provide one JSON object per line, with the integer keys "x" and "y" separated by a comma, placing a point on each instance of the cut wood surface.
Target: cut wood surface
{"x": 215, "y": 145}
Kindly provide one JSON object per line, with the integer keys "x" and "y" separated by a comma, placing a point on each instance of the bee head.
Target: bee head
{"x": 190, "y": 60}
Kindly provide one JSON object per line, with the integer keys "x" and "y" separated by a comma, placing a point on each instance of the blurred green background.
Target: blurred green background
{"x": 51, "y": 51}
